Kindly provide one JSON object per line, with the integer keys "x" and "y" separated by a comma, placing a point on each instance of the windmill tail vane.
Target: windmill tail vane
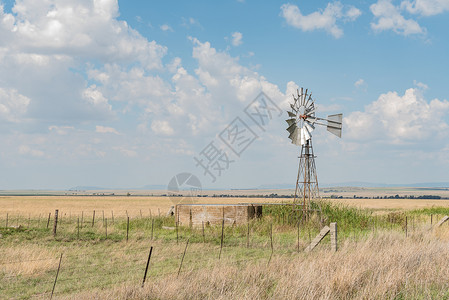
{"x": 301, "y": 123}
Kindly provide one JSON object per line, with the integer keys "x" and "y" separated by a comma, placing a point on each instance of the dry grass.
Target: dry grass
{"x": 382, "y": 266}
{"x": 386, "y": 204}
{"x": 74, "y": 205}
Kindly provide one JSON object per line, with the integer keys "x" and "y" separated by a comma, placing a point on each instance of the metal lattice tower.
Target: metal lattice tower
{"x": 301, "y": 123}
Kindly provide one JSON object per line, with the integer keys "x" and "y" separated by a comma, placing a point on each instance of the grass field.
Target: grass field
{"x": 380, "y": 256}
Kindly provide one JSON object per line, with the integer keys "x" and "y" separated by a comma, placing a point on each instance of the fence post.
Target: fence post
{"x": 78, "y": 227}
{"x": 177, "y": 236}
{"x": 146, "y": 268}
{"x": 55, "y": 225}
{"x": 247, "y": 236}
{"x": 204, "y": 236}
{"x": 103, "y": 216}
{"x": 431, "y": 221}
{"x": 82, "y": 218}
{"x": 334, "y": 245}
{"x": 182, "y": 259}
{"x": 271, "y": 240}
{"x": 93, "y": 219}
{"x": 405, "y": 226}
{"x": 106, "y": 226}
{"x": 7, "y": 216}
{"x": 48, "y": 221}
{"x": 112, "y": 215}
{"x": 57, "y": 273}
{"x": 152, "y": 226}
{"x": 127, "y": 229}
{"x": 222, "y": 234}
{"x": 298, "y": 237}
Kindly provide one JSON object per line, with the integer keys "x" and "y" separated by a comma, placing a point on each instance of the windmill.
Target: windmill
{"x": 301, "y": 123}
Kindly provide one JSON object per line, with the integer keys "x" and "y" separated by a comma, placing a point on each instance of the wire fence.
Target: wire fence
{"x": 122, "y": 264}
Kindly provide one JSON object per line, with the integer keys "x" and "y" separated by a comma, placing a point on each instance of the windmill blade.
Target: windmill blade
{"x": 303, "y": 139}
{"x": 293, "y": 107}
{"x": 304, "y": 98}
{"x": 291, "y": 128}
{"x": 310, "y": 98}
{"x": 290, "y": 121}
{"x": 309, "y": 126}
{"x": 307, "y": 134}
{"x": 293, "y": 133}
{"x": 300, "y": 96}
{"x": 308, "y": 113}
{"x": 291, "y": 115}
{"x": 311, "y": 119}
{"x": 334, "y": 124}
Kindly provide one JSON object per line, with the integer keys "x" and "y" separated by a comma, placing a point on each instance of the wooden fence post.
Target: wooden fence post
{"x": 127, "y": 229}
{"x": 204, "y": 236}
{"x": 48, "y": 220}
{"x": 7, "y": 216}
{"x": 152, "y": 226}
{"x": 297, "y": 239}
{"x": 334, "y": 245}
{"x": 247, "y": 236}
{"x": 177, "y": 235}
{"x": 106, "y": 226}
{"x": 405, "y": 226}
{"x": 271, "y": 240}
{"x": 93, "y": 219}
{"x": 78, "y": 227}
{"x": 222, "y": 234}
{"x": 55, "y": 225}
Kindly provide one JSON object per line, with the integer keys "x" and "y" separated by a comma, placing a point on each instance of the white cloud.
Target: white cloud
{"x": 104, "y": 129}
{"x": 26, "y": 150}
{"x": 126, "y": 152}
{"x": 389, "y": 17}
{"x": 237, "y": 38}
{"x": 399, "y": 119}
{"x": 13, "y": 105}
{"x": 359, "y": 82}
{"x": 426, "y": 7}
{"x": 166, "y": 27}
{"x": 162, "y": 127}
{"x": 61, "y": 130}
{"x": 325, "y": 19}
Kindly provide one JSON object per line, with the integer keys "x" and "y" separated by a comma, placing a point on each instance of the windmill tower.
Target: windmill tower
{"x": 301, "y": 123}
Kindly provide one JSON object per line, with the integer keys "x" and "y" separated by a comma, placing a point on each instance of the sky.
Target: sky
{"x": 124, "y": 94}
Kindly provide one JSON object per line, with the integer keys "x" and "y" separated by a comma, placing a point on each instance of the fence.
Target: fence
{"x": 176, "y": 250}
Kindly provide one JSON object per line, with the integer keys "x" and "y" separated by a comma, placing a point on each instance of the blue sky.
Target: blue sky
{"x": 130, "y": 93}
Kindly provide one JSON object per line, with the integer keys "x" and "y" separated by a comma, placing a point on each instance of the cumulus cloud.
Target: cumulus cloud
{"x": 13, "y": 105}
{"x": 426, "y": 7}
{"x": 397, "y": 119}
{"x": 325, "y": 19}
{"x": 359, "y": 83}
{"x": 166, "y": 27}
{"x": 26, "y": 150}
{"x": 104, "y": 129}
{"x": 162, "y": 127}
{"x": 389, "y": 17}
{"x": 237, "y": 38}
